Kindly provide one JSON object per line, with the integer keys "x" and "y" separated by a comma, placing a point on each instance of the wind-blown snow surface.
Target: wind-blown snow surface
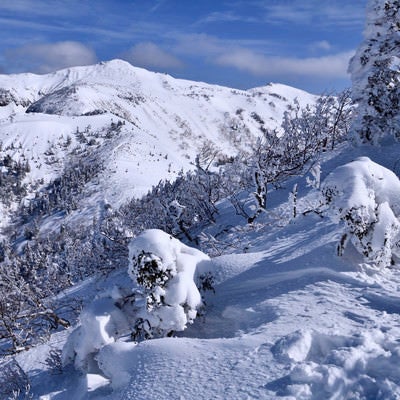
{"x": 166, "y": 122}
{"x": 289, "y": 319}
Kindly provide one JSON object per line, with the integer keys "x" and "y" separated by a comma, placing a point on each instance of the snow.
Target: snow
{"x": 289, "y": 317}
{"x": 169, "y": 249}
{"x": 364, "y": 183}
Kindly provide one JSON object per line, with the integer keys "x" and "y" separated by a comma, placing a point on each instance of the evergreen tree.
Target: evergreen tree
{"x": 375, "y": 73}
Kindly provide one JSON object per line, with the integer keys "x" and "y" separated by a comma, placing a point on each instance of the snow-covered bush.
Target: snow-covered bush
{"x": 167, "y": 299}
{"x": 164, "y": 268}
{"x": 176, "y": 206}
{"x": 101, "y": 323}
{"x": 14, "y": 382}
{"x": 366, "y": 197}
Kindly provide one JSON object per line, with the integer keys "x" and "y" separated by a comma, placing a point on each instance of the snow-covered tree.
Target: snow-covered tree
{"x": 164, "y": 298}
{"x": 14, "y": 382}
{"x": 164, "y": 268}
{"x": 177, "y": 206}
{"x": 375, "y": 73}
{"x": 27, "y": 312}
{"x": 278, "y": 157}
{"x": 366, "y": 197}
{"x": 282, "y": 153}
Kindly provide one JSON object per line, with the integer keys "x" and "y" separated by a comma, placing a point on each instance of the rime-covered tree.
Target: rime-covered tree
{"x": 279, "y": 154}
{"x": 165, "y": 268}
{"x": 375, "y": 73}
{"x": 364, "y": 197}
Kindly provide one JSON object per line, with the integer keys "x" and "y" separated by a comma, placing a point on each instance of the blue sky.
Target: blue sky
{"x": 238, "y": 43}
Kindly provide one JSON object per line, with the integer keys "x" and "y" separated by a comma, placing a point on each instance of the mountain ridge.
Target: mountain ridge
{"x": 29, "y": 88}
{"x": 143, "y": 126}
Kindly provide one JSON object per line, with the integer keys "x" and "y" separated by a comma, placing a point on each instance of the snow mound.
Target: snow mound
{"x": 294, "y": 346}
{"x": 366, "y": 197}
{"x": 115, "y": 361}
{"x": 358, "y": 367}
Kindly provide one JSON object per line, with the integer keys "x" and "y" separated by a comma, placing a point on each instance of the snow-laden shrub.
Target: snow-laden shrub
{"x": 366, "y": 197}
{"x": 164, "y": 268}
{"x": 101, "y": 323}
{"x": 14, "y": 382}
{"x": 167, "y": 299}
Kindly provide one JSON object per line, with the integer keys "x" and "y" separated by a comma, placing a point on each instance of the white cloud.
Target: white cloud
{"x": 44, "y": 58}
{"x": 149, "y": 55}
{"x": 321, "y": 45}
{"x": 208, "y": 46}
{"x": 249, "y": 56}
{"x": 332, "y": 13}
{"x": 333, "y": 66}
{"x": 227, "y": 16}
{"x": 45, "y": 8}
{"x": 199, "y": 44}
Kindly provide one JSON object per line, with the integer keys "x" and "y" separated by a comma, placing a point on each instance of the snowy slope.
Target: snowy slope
{"x": 289, "y": 319}
{"x": 166, "y": 122}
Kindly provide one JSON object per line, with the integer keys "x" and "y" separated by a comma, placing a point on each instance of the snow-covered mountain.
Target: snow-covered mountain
{"x": 143, "y": 126}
